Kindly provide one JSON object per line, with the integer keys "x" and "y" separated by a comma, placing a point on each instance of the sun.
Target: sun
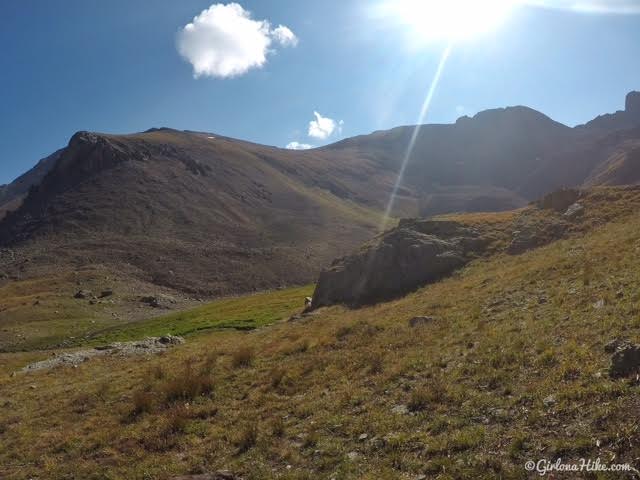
{"x": 449, "y": 19}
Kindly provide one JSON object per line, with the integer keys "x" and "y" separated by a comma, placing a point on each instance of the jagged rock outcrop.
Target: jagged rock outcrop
{"x": 413, "y": 254}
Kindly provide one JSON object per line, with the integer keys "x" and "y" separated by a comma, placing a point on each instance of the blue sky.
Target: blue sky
{"x": 115, "y": 67}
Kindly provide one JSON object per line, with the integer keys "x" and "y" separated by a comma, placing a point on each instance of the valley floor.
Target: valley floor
{"x": 510, "y": 369}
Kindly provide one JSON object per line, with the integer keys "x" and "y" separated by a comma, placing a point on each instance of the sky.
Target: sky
{"x": 299, "y": 73}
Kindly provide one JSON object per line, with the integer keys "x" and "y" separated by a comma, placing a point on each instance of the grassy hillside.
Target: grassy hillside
{"x": 511, "y": 368}
{"x": 240, "y": 313}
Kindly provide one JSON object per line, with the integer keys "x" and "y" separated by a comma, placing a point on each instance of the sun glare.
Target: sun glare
{"x": 450, "y": 19}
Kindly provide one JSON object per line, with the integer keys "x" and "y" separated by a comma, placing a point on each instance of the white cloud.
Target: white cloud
{"x": 224, "y": 41}
{"x": 323, "y": 127}
{"x": 284, "y": 36}
{"x": 298, "y": 146}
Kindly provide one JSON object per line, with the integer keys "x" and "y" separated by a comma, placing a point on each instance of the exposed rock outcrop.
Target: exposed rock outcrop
{"x": 413, "y": 254}
{"x": 533, "y": 228}
{"x": 528, "y": 236}
{"x": 143, "y": 347}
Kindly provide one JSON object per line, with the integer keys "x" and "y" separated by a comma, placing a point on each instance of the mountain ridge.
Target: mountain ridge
{"x": 198, "y": 214}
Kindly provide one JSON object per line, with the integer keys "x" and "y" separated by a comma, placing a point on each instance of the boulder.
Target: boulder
{"x": 415, "y": 253}
{"x": 625, "y": 360}
{"x": 170, "y": 340}
{"x": 158, "y": 301}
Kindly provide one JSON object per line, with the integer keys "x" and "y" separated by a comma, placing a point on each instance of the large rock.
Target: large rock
{"x": 413, "y": 254}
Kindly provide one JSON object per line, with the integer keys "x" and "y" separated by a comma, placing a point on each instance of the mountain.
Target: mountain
{"x": 201, "y": 215}
{"x": 193, "y": 212}
{"x": 482, "y": 163}
{"x": 621, "y": 120}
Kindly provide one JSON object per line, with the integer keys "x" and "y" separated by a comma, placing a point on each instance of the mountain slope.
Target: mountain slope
{"x": 11, "y": 195}
{"x": 511, "y": 365}
{"x": 190, "y": 212}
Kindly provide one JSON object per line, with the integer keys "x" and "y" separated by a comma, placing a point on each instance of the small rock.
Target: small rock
{"x": 599, "y": 304}
{"x": 420, "y": 321}
{"x": 400, "y": 410}
{"x": 158, "y": 301}
{"x": 549, "y": 401}
{"x": 169, "y": 339}
{"x": 614, "y": 344}
{"x": 82, "y": 294}
{"x": 106, "y": 293}
{"x": 363, "y": 437}
{"x": 574, "y": 210}
{"x": 352, "y": 455}
{"x": 499, "y": 413}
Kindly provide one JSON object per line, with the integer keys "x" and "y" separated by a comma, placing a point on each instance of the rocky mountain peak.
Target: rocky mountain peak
{"x": 632, "y": 103}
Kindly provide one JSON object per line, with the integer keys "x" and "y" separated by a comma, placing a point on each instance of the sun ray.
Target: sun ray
{"x": 416, "y": 131}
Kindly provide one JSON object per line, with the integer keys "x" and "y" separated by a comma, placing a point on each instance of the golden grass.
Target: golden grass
{"x": 509, "y": 332}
